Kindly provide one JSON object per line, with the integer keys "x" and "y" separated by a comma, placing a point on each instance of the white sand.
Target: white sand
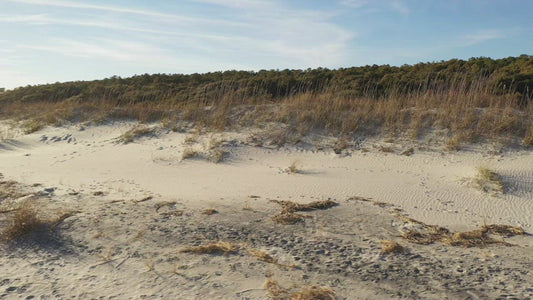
{"x": 428, "y": 186}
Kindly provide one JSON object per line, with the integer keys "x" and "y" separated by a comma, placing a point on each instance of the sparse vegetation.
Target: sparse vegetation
{"x": 219, "y": 247}
{"x": 189, "y": 153}
{"x": 276, "y": 292}
{"x": 288, "y": 215}
{"x": 488, "y": 181}
{"x": 293, "y": 168}
{"x": 475, "y": 238}
{"x": 209, "y": 211}
{"x": 27, "y": 218}
{"x": 389, "y": 246}
{"x": 32, "y": 125}
{"x": 135, "y": 133}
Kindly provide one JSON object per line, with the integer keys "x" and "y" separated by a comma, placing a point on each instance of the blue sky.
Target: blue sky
{"x": 43, "y": 41}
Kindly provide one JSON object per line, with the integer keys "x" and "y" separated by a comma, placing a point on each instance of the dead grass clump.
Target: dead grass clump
{"x": 290, "y": 207}
{"x": 219, "y": 247}
{"x": 504, "y": 230}
{"x": 263, "y": 256}
{"x": 289, "y": 218}
{"x": 189, "y": 153}
{"x": 217, "y": 155}
{"x": 32, "y": 125}
{"x": 24, "y": 220}
{"x": 314, "y": 293}
{"x": 488, "y": 181}
{"x": 10, "y": 190}
{"x": 389, "y": 246}
{"x": 135, "y": 133}
{"x": 386, "y": 149}
{"x": 430, "y": 234}
{"x": 209, "y": 211}
{"x": 293, "y": 168}
{"x": 276, "y": 292}
{"x": 27, "y": 218}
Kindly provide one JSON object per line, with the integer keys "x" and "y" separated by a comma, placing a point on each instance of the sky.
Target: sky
{"x": 46, "y": 41}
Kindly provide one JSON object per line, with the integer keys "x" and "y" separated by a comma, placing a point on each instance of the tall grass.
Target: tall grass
{"x": 463, "y": 111}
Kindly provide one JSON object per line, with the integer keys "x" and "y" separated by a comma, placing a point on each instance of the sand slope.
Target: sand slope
{"x": 128, "y": 249}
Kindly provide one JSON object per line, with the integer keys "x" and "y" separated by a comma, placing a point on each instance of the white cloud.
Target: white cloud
{"x": 400, "y": 7}
{"x": 154, "y": 14}
{"x": 481, "y": 36}
{"x": 355, "y": 3}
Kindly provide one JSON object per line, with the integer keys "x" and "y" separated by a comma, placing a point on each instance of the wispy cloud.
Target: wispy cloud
{"x": 400, "y": 7}
{"x": 355, "y": 3}
{"x": 481, "y": 36}
{"x": 159, "y": 15}
{"x": 242, "y": 4}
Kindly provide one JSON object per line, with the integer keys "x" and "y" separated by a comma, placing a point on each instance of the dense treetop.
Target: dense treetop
{"x": 507, "y": 75}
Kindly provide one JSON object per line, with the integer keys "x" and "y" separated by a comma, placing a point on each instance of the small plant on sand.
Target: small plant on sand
{"x": 219, "y": 247}
{"x": 389, "y": 246}
{"x": 24, "y": 220}
{"x": 276, "y": 292}
{"x": 217, "y": 155}
{"x": 189, "y": 153}
{"x": 32, "y": 125}
{"x": 136, "y": 132}
{"x": 488, "y": 181}
{"x": 209, "y": 211}
{"x": 293, "y": 168}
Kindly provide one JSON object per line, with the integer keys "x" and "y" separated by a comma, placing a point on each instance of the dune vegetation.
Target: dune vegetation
{"x": 463, "y": 101}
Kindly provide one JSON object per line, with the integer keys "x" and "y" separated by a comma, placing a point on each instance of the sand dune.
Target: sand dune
{"x": 115, "y": 246}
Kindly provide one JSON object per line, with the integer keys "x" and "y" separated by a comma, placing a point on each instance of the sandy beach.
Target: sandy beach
{"x": 131, "y": 209}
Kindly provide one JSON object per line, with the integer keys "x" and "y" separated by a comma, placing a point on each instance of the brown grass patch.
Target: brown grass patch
{"x": 135, "y": 133}
{"x": 276, "y": 292}
{"x": 314, "y": 293}
{"x": 488, "y": 181}
{"x": 475, "y": 238}
{"x": 209, "y": 211}
{"x": 389, "y": 246}
{"x": 290, "y": 207}
{"x": 219, "y": 247}
{"x": 27, "y": 218}
{"x": 287, "y": 216}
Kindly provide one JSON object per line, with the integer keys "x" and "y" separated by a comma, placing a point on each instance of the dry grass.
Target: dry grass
{"x": 219, "y": 247}
{"x": 217, "y": 155}
{"x": 293, "y": 168}
{"x": 276, "y": 292}
{"x": 27, "y": 218}
{"x": 10, "y": 190}
{"x": 488, "y": 181}
{"x": 209, "y": 211}
{"x": 32, "y": 125}
{"x": 467, "y": 111}
{"x": 263, "y": 256}
{"x": 287, "y": 216}
{"x": 135, "y": 133}
{"x": 314, "y": 293}
{"x": 189, "y": 153}
{"x": 389, "y": 246}
{"x": 24, "y": 220}
{"x": 290, "y": 207}
{"x": 475, "y": 238}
